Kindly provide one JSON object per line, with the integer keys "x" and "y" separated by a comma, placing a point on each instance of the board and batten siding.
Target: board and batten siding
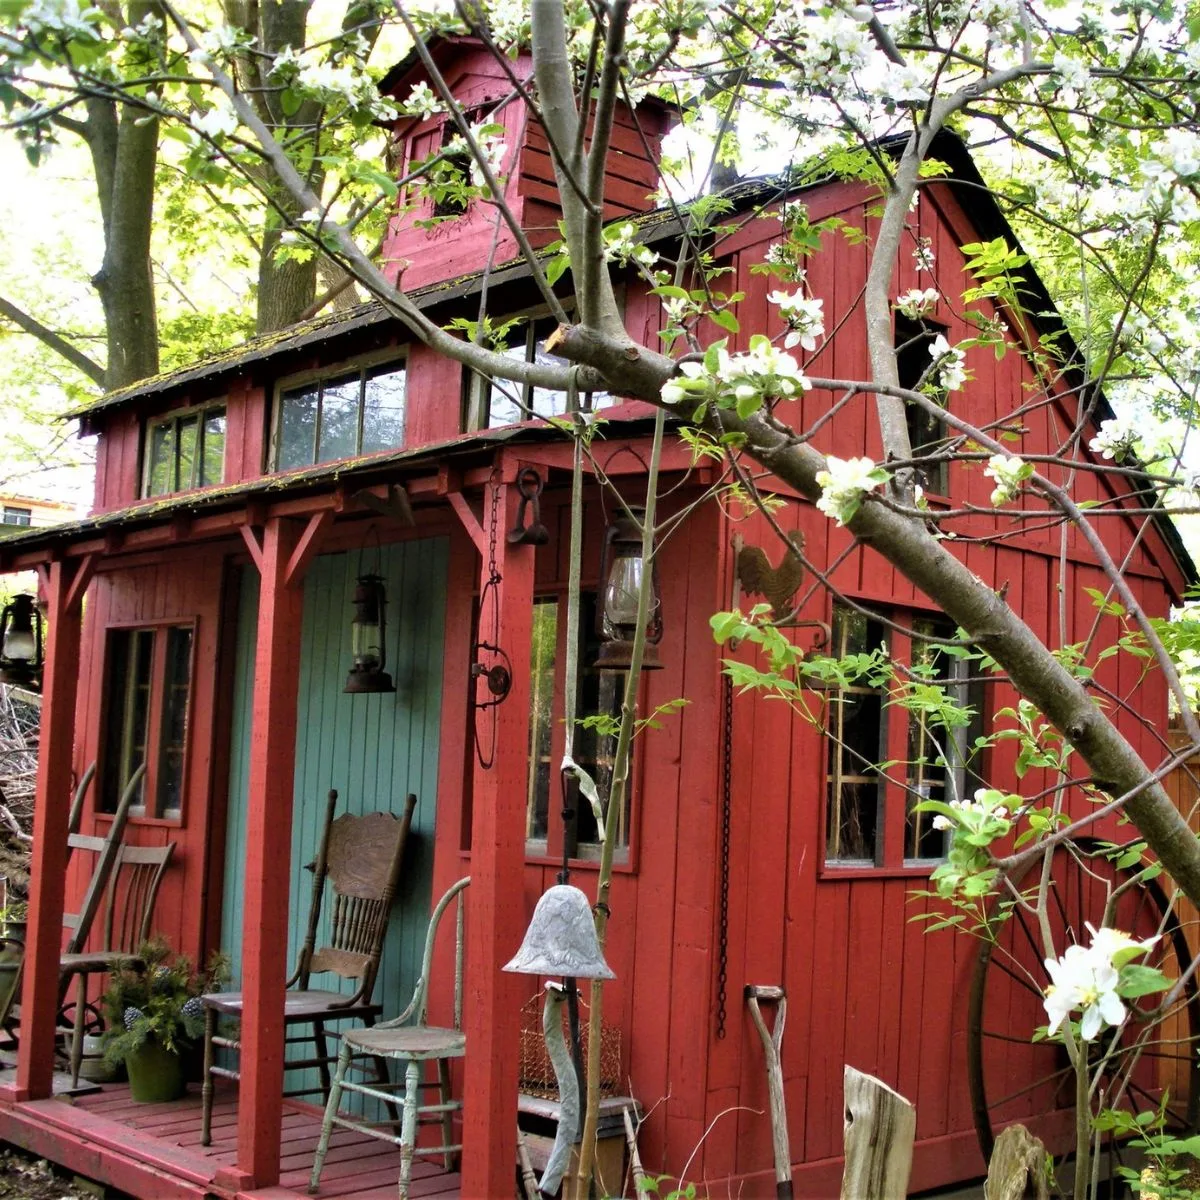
{"x": 374, "y": 749}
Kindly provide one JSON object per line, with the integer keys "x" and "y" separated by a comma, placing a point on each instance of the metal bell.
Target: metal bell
{"x": 561, "y": 939}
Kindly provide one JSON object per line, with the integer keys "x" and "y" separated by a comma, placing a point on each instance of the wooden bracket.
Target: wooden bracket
{"x": 79, "y": 585}
{"x": 395, "y": 503}
{"x": 469, "y": 522}
{"x": 250, "y": 537}
{"x": 307, "y": 546}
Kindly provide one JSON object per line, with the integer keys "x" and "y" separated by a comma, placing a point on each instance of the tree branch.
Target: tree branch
{"x": 55, "y": 341}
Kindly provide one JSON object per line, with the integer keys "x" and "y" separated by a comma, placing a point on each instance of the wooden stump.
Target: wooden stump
{"x": 880, "y": 1127}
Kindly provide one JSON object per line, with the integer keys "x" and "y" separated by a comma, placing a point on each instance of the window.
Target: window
{"x": 13, "y": 515}
{"x": 356, "y": 411}
{"x": 926, "y": 432}
{"x": 147, "y": 676}
{"x": 185, "y": 450}
{"x": 504, "y": 401}
{"x": 599, "y": 693}
{"x": 870, "y": 817}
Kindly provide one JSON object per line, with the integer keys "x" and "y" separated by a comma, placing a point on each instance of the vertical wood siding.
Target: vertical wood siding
{"x": 373, "y": 749}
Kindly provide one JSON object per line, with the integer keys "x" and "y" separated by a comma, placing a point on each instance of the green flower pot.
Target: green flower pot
{"x": 155, "y": 1074}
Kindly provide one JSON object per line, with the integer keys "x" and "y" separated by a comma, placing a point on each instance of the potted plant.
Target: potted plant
{"x": 154, "y": 1016}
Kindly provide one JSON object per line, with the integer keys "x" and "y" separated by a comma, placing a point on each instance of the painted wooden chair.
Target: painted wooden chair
{"x": 409, "y": 1040}
{"x": 359, "y": 856}
{"x": 130, "y": 895}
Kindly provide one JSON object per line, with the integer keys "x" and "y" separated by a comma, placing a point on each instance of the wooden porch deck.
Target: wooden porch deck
{"x": 154, "y": 1151}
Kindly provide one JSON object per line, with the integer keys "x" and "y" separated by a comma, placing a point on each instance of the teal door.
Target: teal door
{"x": 374, "y": 749}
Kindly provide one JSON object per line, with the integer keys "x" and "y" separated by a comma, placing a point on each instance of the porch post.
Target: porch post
{"x": 63, "y": 585}
{"x": 268, "y": 861}
{"x": 495, "y": 900}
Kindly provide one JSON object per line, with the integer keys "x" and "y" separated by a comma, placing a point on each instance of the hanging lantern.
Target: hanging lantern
{"x": 620, "y": 581}
{"x": 368, "y": 638}
{"x": 21, "y": 643}
{"x": 561, "y": 939}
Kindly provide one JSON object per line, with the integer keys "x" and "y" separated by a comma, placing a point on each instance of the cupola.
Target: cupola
{"x": 429, "y": 241}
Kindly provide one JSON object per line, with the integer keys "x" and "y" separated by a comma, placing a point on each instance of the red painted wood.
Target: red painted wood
{"x": 39, "y": 996}
{"x": 496, "y": 915}
{"x": 269, "y": 823}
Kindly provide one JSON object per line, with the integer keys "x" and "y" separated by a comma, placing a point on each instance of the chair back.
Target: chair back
{"x": 360, "y": 858}
{"x": 105, "y": 848}
{"x": 132, "y": 895}
{"x": 418, "y": 1006}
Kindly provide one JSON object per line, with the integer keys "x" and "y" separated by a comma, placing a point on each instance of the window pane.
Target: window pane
{"x": 856, "y": 731}
{"x": 162, "y": 459}
{"x": 600, "y": 694}
{"x": 130, "y": 655}
{"x": 187, "y": 436}
{"x": 174, "y": 721}
{"x": 297, "y": 427}
{"x": 339, "y": 418}
{"x": 14, "y": 515}
{"x": 505, "y": 395}
{"x": 544, "y": 401}
{"x": 212, "y": 463}
{"x": 929, "y": 740}
{"x": 542, "y": 661}
{"x": 383, "y": 408}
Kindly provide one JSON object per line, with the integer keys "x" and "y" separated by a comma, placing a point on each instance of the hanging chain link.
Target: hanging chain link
{"x": 499, "y": 676}
{"x": 726, "y": 819}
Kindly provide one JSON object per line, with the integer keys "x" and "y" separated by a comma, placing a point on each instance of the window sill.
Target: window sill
{"x": 136, "y": 818}
{"x": 622, "y": 861}
{"x": 832, "y": 872}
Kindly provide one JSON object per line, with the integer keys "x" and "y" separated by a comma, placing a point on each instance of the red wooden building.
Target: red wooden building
{"x": 237, "y": 500}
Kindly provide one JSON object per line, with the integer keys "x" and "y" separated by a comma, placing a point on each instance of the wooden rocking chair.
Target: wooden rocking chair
{"x": 410, "y": 1041}
{"x": 360, "y": 858}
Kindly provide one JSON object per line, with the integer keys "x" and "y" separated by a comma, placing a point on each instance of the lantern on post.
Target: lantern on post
{"x": 620, "y": 582}
{"x": 21, "y": 643}
{"x": 368, "y": 638}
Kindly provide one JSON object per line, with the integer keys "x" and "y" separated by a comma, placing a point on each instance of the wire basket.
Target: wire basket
{"x": 537, "y": 1072}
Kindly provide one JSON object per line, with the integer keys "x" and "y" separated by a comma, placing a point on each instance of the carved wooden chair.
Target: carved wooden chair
{"x": 359, "y": 857}
{"x": 409, "y": 1040}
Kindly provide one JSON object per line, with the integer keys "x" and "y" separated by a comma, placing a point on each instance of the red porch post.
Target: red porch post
{"x": 495, "y": 904}
{"x": 268, "y": 861}
{"x": 63, "y": 585}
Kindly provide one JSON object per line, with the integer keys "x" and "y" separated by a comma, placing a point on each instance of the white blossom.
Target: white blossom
{"x": 421, "y": 101}
{"x": 916, "y": 302}
{"x": 1009, "y": 472}
{"x": 949, "y": 362}
{"x": 219, "y": 121}
{"x": 923, "y": 256}
{"x": 804, "y": 317}
{"x": 844, "y": 485}
{"x": 1116, "y": 438}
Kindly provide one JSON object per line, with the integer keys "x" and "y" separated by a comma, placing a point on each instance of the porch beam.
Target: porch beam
{"x": 307, "y": 546}
{"x": 470, "y": 523}
{"x": 63, "y": 585}
{"x": 268, "y": 827}
{"x": 496, "y": 912}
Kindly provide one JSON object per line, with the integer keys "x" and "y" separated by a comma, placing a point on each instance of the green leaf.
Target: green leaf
{"x": 726, "y": 320}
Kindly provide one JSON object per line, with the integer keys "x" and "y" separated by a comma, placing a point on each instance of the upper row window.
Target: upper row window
{"x": 356, "y": 411}
{"x": 14, "y": 515}
{"x": 185, "y": 450}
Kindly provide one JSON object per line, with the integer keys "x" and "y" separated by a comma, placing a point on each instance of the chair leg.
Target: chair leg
{"x": 383, "y": 1077}
{"x": 206, "y": 1087}
{"x": 450, "y": 1160}
{"x": 408, "y": 1132}
{"x": 80, "y": 1023}
{"x": 331, "y": 1108}
{"x": 322, "y": 1047}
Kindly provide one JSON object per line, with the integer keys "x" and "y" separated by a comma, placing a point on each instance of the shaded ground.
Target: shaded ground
{"x": 25, "y": 1178}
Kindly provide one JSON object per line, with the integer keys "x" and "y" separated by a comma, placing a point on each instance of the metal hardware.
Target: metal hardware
{"x": 726, "y": 821}
{"x": 529, "y": 486}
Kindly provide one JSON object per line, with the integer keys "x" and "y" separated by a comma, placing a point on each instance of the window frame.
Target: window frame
{"x": 160, "y": 630}
{"x": 173, "y": 418}
{"x": 18, "y": 510}
{"x": 894, "y": 790}
{"x": 361, "y": 363}
{"x": 550, "y": 848}
{"x": 935, "y": 478}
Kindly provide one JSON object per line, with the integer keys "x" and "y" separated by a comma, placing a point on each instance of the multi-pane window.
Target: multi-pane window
{"x": 599, "y": 694}
{"x": 926, "y": 430}
{"x": 15, "y": 515}
{"x": 492, "y": 403}
{"x": 185, "y": 450}
{"x": 893, "y": 745}
{"x": 356, "y": 411}
{"x": 147, "y": 677}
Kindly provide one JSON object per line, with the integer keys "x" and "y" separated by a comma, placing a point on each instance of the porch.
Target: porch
{"x": 155, "y": 1150}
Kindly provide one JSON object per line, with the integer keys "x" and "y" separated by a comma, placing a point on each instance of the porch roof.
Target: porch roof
{"x": 27, "y": 546}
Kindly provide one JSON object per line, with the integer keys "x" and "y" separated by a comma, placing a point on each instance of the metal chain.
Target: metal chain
{"x": 490, "y": 590}
{"x": 726, "y": 819}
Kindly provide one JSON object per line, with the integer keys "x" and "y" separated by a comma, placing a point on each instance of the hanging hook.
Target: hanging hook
{"x": 529, "y": 487}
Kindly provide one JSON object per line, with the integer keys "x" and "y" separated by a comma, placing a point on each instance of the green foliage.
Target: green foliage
{"x": 156, "y": 998}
